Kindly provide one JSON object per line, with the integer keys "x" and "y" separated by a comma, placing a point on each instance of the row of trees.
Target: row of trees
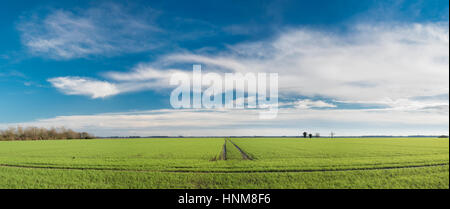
{"x": 306, "y": 135}
{"x": 317, "y": 135}
{"x": 35, "y": 133}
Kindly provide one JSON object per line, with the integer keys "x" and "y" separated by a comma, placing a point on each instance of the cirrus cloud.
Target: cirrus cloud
{"x": 106, "y": 30}
{"x": 402, "y": 68}
{"x": 84, "y": 86}
{"x": 371, "y": 64}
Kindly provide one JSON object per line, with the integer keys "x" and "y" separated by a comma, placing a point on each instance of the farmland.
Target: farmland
{"x": 226, "y": 163}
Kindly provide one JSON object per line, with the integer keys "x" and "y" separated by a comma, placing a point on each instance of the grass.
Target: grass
{"x": 188, "y": 163}
{"x": 344, "y": 153}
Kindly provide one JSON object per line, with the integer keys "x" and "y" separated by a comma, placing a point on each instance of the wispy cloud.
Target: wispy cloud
{"x": 242, "y": 29}
{"x": 108, "y": 29}
{"x": 308, "y": 104}
{"x": 290, "y": 121}
{"x": 84, "y": 86}
{"x": 141, "y": 77}
{"x": 12, "y": 73}
{"x": 372, "y": 64}
{"x": 410, "y": 104}
{"x": 142, "y": 72}
{"x": 403, "y": 68}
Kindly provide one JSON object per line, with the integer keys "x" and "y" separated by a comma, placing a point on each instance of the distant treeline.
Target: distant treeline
{"x": 35, "y": 133}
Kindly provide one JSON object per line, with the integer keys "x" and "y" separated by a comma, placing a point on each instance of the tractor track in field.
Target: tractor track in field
{"x": 250, "y": 171}
{"x": 244, "y": 155}
{"x": 224, "y": 150}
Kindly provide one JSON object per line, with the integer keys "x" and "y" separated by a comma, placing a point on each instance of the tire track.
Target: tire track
{"x": 224, "y": 151}
{"x": 244, "y": 155}
{"x": 249, "y": 171}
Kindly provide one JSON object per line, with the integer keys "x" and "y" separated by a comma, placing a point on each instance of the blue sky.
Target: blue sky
{"x": 348, "y": 66}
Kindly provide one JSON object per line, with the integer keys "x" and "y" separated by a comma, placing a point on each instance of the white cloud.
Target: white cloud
{"x": 383, "y": 65}
{"x": 408, "y": 104}
{"x": 108, "y": 29}
{"x": 308, "y": 104}
{"x": 84, "y": 86}
{"x": 369, "y": 64}
{"x": 245, "y": 122}
{"x": 143, "y": 72}
{"x": 142, "y": 77}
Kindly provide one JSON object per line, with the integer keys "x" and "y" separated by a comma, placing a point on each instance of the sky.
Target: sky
{"x": 350, "y": 67}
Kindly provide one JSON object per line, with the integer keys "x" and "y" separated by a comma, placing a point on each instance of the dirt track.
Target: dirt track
{"x": 249, "y": 171}
{"x": 244, "y": 155}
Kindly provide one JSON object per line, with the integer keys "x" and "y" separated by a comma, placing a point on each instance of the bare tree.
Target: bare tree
{"x": 8, "y": 134}
{"x": 332, "y": 134}
{"x": 34, "y": 133}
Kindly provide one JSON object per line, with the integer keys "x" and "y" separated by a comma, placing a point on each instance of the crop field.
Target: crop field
{"x": 226, "y": 163}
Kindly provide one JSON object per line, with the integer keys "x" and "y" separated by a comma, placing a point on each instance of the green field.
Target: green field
{"x": 246, "y": 163}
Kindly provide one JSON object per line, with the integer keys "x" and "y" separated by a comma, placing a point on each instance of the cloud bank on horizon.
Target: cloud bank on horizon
{"x": 374, "y": 77}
